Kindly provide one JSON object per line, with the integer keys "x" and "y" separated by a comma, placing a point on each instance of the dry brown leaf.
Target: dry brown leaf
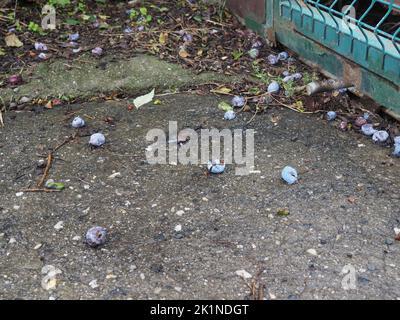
{"x": 351, "y": 199}
{"x": 163, "y": 38}
{"x": 183, "y": 53}
{"x": 13, "y": 41}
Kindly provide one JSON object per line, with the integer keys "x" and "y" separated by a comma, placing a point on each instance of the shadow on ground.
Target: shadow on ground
{"x": 228, "y": 222}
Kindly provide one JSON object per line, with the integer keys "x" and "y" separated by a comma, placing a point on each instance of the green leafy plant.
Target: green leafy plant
{"x": 142, "y": 16}
{"x": 260, "y": 74}
{"x": 221, "y": 10}
{"x": 59, "y": 3}
{"x": 34, "y": 27}
{"x": 237, "y": 54}
{"x": 289, "y": 87}
{"x": 309, "y": 77}
{"x": 72, "y": 22}
{"x": 81, "y": 7}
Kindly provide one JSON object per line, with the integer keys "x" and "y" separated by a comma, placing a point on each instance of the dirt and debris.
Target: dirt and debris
{"x": 185, "y": 229}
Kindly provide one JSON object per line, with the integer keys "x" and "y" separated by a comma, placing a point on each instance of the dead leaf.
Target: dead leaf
{"x": 163, "y": 38}
{"x": 49, "y": 105}
{"x": 142, "y": 100}
{"x": 13, "y": 41}
{"x": 283, "y": 212}
{"x": 351, "y": 199}
{"x": 183, "y": 53}
{"x": 221, "y": 90}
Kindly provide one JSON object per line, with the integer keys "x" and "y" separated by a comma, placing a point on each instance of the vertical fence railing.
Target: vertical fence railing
{"x": 358, "y": 28}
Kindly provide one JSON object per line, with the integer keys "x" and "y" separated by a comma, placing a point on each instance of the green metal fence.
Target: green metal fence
{"x": 359, "y": 41}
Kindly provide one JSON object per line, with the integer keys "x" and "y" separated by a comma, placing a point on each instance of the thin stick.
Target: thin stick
{"x": 40, "y": 190}
{"x": 46, "y": 170}
{"x": 70, "y": 138}
{"x": 252, "y": 118}
{"x": 294, "y": 109}
{"x": 50, "y": 158}
{"x": 1, "y": 119}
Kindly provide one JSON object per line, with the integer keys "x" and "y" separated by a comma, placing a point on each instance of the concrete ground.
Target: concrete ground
{"x": 344, "y": 208}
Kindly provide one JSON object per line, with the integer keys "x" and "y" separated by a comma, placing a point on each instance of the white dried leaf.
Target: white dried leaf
{"x": 244, "y": 274}
{"x": 142, "y": 100}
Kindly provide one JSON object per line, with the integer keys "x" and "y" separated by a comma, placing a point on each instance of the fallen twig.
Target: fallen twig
{"x": 69, "y": 139}
{"x": 50, "y": 157}
{"x": 46, "y": 170}
{"x": 294, "y": 109}
{"x": 40, "y": 190}
{"x": 252, "y": 118}
{"x": 1, "y": 119}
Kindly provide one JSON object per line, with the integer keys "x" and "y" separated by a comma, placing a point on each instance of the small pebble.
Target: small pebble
{"x": 313, "y": 252}
{"x": 157, "y": 290}
{"x": 93, "y": 284}
{"x": 178, "y": 228}
{"x": 114, "y": 175}
{"x": 59, "y": 225}
{"x": 389, "y": 241}
{"x": 180, "y": 212}
{"x": 243, "y": 274}
{"x": 24, "y": 100}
